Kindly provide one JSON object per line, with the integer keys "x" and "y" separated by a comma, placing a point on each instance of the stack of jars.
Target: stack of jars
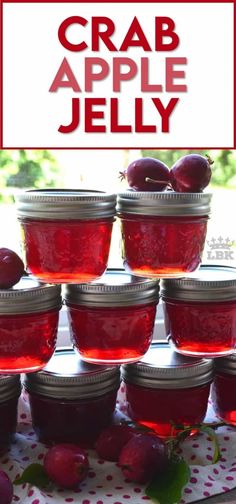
{"x": 66, "y": 239}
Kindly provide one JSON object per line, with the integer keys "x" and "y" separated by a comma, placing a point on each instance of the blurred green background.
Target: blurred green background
{"x": 99, "y": 169}
{"x": 42, "y": 168}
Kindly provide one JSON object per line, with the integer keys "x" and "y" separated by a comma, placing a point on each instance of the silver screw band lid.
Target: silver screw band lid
{"x": 226, "y": 364}
{"x": 10, "y": 387}
{"x": 210, "y": 283}
{"x": 63, "y": 204}
{"x": 68, "y": 377}
{"x": 163, "y": 368}
{"x": 114, "y": 288}
{"x": 30, "y": 296}
{"x": 164, "y": 203}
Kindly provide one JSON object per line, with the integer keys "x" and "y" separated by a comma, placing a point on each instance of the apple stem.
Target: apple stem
{"x": 210, "y": 161}
{"x": 122, "y": 175}
{"x": 152, "y": 181}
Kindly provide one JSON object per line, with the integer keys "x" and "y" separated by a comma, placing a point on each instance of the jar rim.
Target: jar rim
{"x": 209, "y": 283}
{"x": 10, "y": 387}
{"x": 226, "y": 364}
{"x": 30, "y": 296}
{"x": 116, "y": 287}
{"x": 165, "y": 203}
{"x": 82, "y": 381}
{"x": 164, "y": 368}
{"x": 63, "y": 204}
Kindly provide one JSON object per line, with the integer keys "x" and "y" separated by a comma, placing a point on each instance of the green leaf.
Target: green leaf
{"x": 211, "y": 433}
{"x": 166, "y": 487}
{"x": 34, "y": 474}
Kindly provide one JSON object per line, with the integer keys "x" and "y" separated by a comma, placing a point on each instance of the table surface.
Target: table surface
{"x": 207, "y": 478}
{"x": 226, "y": 498}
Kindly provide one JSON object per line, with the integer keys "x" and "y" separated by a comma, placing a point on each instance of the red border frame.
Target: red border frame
{"x": 112, "y": 148}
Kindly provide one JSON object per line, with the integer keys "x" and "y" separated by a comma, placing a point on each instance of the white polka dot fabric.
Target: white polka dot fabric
{"x": 105, "y": 483}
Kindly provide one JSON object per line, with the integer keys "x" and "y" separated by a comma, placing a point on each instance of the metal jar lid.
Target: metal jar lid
{"x": 62, "y": 204}
{"x": 210, "y": 283}
{"x": 67, "y": 377}
{"x": 163, "y": 368}
{"x": 164, "y": 203}
{"x": 10, "y": 387}
{"x": 30, "y": 296}
{"x": 226, "y": 364}
{"x": 114, "y": 288}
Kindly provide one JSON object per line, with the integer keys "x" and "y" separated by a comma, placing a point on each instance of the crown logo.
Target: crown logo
{"x": 220, "y": 243}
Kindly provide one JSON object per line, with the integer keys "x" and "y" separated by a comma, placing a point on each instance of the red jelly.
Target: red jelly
{"x": 28, "y": 325}
{"x": 166, "y": 388}
{"x": 163, "y": 232}
{"x": 200, "y": 311}
{"x": 10, "y": 389}
{"x": 112, "y": 320}
{"x": 70, "y": 400}
{"x": 223, "y": 391}
{"x": 66, "y": 234}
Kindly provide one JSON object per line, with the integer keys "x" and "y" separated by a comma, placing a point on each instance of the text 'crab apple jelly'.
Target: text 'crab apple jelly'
{"x": 71, "y": 400}
{"x": 10, "y": 389}
{"x": 66, "y": 234}
{"x": 223, "y": 391}
{"x": 112, "y": 320}
{"x": 163, "y": 233}
{"x": 200, "y": 312}
{"x": 28, "y": 325}
{"x": 166, "y": 389}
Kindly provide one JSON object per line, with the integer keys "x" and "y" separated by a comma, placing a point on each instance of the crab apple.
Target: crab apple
{"x": 111, "y": 441}
{"x": 11, "y": 268}
{"x": 66, "y": 465}
{"x": 142, "y": 457}
{"x": 191, "y": 173}
{"x": 147, "y": 174}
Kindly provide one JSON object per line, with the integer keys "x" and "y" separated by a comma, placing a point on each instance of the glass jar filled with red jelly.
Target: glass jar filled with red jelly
{"x": 28, "y": 325}
{"x": 223, "y": 390}
{"x": 66, "y": 233}
{"x": 200, "y": 312}
{"x": 10, "y": 389}
{"x": 163, "y": 233}
{"x": 166, "y": 389}
{"x": 71, "y": 400}
{"x": 112, "y": 320}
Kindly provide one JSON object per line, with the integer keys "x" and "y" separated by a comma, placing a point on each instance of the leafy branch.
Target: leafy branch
{"x": 166, "y": 487}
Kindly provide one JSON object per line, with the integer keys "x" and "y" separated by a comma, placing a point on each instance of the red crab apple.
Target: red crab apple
{"x": 66, "y": 465}
{"x": 11, "y": 268}
{"x": 147, "y": 174}
{"x": 111, "y": 441}
{"x": 191, "y": 173}
{"x": 6, "y": 488}
{"x": 142, "y": 457}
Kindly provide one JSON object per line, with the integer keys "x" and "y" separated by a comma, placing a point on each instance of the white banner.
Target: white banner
{"x": 118, "y": 75}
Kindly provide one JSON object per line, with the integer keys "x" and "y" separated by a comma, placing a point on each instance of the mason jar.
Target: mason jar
{"x": 71, "y": 400}
{"x": 200, "y": 312}
{"x": 223, "y": 391}
{"x": 10, "y": 389}
{"x": 167, "y": 391}
{"x": 112, "y": 319}
{"x": 66, "y": 233}
{"x": 28, "y": 325}
{"x": 163, "y": 233}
